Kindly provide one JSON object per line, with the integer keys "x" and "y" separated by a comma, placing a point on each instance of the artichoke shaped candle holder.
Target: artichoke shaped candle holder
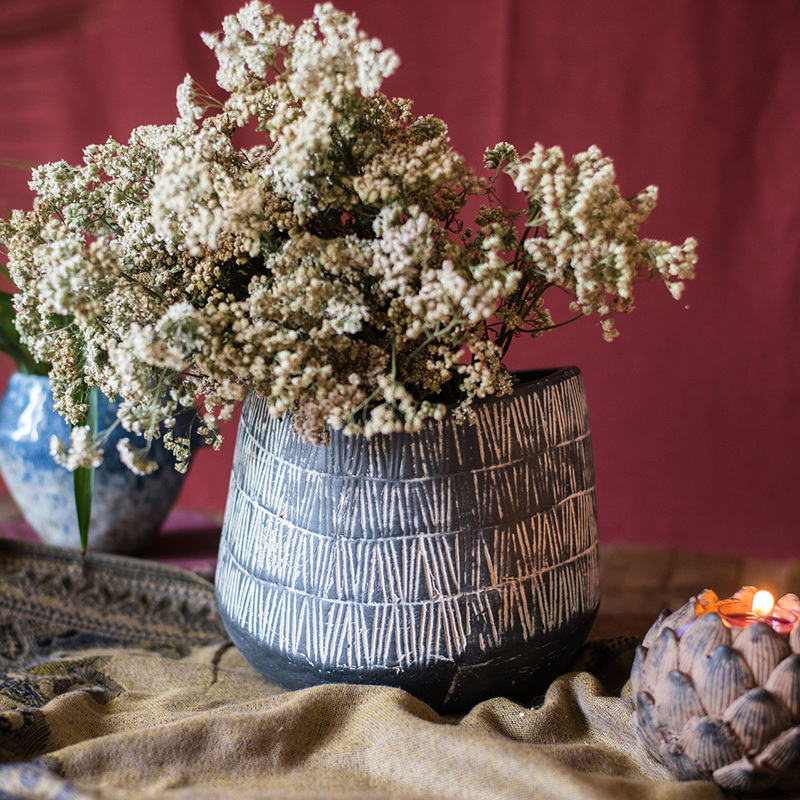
{"x": 717, "y": 694}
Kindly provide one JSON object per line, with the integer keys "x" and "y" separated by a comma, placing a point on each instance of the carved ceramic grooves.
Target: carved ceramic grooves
{"x": 405, "y": 549}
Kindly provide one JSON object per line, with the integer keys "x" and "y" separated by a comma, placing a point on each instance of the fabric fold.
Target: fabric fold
{"x": 100, "y": 710}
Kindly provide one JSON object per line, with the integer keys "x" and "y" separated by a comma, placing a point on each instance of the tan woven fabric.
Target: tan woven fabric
{"x": 118, "y": 682}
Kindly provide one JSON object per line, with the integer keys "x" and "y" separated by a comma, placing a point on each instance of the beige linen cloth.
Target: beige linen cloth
{"x": 117, "y": 681}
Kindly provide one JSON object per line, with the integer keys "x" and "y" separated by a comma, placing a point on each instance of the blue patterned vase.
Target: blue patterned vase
{"x": 127, "y": 509}
{"x": 458, "y": 563}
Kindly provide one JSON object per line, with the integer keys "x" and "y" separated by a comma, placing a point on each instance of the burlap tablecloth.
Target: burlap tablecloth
{"x": 117, "y": 681}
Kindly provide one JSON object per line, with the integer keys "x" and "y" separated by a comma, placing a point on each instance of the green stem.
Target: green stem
{"x": 83, "y": 478}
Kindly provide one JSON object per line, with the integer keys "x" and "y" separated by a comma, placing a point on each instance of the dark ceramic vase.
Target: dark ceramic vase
{"x": 127, "y": 509}
{"x": 457, "y": 563}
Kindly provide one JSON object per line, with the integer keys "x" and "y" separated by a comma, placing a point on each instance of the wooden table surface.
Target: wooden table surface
{"x": 637, "y": 582}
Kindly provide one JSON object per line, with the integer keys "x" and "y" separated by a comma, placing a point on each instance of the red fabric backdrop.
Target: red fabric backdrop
{"x": 695, "y": 406}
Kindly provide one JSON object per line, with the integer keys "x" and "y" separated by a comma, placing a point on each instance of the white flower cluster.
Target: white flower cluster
{"x": 327, "y": 268}
{"x": 586, "y": 234}
{"x": 82, "y": 451}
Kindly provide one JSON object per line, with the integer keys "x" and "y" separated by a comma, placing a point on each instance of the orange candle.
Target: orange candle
{"x": 738, "y": 614}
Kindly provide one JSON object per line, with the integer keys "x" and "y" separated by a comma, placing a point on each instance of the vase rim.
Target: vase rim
{"x": 530, "y": 382}
{"x": 533, "y": 375}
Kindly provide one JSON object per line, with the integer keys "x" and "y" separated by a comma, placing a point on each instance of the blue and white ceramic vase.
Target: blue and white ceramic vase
{"x": 458, "y": 563}
{"x": 127, "y": 509}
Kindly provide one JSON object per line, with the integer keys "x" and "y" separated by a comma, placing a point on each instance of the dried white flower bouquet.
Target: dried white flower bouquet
{"x": 328, "y": 268}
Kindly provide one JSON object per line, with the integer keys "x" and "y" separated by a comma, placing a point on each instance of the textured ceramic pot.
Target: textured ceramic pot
{"x": 127, "y": 509}
{"x": 458, "y": 563}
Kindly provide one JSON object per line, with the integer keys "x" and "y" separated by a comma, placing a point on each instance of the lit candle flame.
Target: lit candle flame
{"x": 763, "y": 603}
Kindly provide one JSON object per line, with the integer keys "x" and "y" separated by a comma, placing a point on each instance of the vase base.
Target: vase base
{"x": 518, "y": 671}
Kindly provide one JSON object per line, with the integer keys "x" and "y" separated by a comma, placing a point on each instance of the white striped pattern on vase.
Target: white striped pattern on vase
{"x": 413, "y": 549}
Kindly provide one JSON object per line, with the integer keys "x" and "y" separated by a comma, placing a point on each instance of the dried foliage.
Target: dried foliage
{"x": 328, "y": 268}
